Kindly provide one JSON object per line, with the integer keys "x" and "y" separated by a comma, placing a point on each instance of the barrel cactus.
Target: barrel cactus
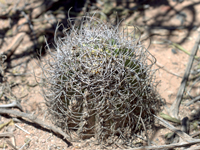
{"x": 100, "y": 83}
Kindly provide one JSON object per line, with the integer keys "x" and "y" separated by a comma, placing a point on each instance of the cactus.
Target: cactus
{"x": 100, "y": 83}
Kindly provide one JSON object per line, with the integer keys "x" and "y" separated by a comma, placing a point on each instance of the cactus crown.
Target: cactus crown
{"x": 100, "y": 83}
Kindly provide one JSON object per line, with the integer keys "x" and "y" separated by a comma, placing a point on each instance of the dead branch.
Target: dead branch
{"x": 194, "y": 148}
{"x": 162, "y": 67}
{"x": 170, "y": 146}
{"x": 193, "y": 101}
{"x": 195, "y": 134}
{"x": 9, "y": 143}
{"x": 13, "y": 104}
{"x": 9, "y": 135}
{"x": 34, "y": 119}
{"x": 174, "y": 110}
{"x": 13, "y": 46}
{"x": 180, "y": 133}
{"x": 38, "y": 11}
{"x": 6, "y": 134}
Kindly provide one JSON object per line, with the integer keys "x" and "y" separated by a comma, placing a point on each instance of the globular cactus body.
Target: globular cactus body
{"x": 99, "y": 83}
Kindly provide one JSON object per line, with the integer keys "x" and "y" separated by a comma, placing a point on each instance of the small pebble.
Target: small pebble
{"x": 194, "y": 111}
{"x": 43, "y": 140}
{"x": 174, "y": 51}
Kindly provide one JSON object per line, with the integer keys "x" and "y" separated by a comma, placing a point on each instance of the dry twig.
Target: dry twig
{"x": 6, "y": 134}
{"x": 195, "y": 134}
{"x": 13, "y": 104}
{"x": 180, "y": 133}
{"x": 9, "y": 143}
{"x": 170, "y": 146}
{"x": 162, "y": 67}
{"x": 193, "y": 101}
{"x": 34, "y": 119}
{"x": 9, "y": 135}
{"x": 194, "y": 148}
{"x": 175, "y": 106}
{"x": 183, "y": 135}
{"x": 13, "y": 46}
